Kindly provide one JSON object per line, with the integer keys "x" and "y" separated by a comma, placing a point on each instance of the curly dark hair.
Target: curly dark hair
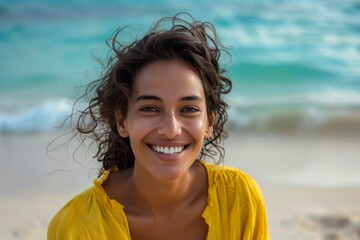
{"x": 172, "y": 38}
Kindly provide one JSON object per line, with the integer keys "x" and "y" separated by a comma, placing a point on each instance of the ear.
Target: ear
{"x": 210, "y": 128}
{"x": 121, "y": 124}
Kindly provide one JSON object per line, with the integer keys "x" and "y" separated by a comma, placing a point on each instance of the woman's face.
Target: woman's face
{"x": 167, "y": 120}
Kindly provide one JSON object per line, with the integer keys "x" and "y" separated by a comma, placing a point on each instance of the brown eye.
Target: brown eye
{"x": 149, "y": 109}
{"x": 190, "y": 109}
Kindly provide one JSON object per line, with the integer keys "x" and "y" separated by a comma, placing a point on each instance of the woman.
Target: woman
{"x": 157, "y": 111}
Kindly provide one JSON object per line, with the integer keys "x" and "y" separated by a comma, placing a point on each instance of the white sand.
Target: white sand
{"x": 310, "y": 184}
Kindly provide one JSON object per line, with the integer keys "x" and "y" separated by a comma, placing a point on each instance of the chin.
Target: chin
{"x": 169, "y": 173}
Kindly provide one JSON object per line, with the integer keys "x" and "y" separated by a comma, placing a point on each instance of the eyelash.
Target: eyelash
{"x": 190, "y": 109}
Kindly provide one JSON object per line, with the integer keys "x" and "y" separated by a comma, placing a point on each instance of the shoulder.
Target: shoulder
{"x": 233, "y": 181}
{"x": 86, "y": 216}
{"x": 229, "y": 175}
{"x": 70, "y": 216}
{"x": 90, "y": 215}
{"x": 236, "y": 196}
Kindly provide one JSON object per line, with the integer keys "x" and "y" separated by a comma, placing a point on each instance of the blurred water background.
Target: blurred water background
{"x": 295, "y": 64}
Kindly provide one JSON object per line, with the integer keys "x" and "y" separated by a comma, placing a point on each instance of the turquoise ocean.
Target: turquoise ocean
{"x": 295, "y": 64}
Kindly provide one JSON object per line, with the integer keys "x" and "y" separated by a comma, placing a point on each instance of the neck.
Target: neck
{"x": 158, "y": 197}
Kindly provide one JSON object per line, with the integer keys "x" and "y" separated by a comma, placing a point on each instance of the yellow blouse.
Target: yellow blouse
{"x": 235, "y": 210}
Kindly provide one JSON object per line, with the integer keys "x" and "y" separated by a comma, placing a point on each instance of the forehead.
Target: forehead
{"x": 168, "y": 78}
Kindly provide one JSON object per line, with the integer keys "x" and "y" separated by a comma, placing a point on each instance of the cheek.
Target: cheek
{"x": 137, "y": 132}
{"x": 138, "y": 129}
{"x": 198, "y": 127}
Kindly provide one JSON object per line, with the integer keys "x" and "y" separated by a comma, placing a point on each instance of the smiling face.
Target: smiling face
{"x": 167, "y": 120}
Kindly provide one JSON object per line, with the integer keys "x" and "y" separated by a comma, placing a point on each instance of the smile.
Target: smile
{"x": 168, "y": 150}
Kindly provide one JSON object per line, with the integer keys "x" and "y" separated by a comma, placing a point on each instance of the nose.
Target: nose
{"x": 169, "y": 126}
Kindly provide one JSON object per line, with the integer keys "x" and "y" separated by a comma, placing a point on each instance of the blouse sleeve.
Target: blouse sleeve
{"x": 257, "y": 226}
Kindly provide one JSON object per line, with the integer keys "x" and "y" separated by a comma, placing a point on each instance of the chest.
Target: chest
{"x": 182, "y": 226}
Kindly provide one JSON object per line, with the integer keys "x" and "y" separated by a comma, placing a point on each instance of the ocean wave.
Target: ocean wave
{"x": 279, "y": 32}
{"x": 305, "y": 121}
{"x": 328, "y": 98}
{"x": 45, "y": 117}
{"x": 330, "y": 110}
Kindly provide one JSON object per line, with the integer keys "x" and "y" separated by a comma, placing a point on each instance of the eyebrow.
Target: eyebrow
{"x": 155, "y": 98}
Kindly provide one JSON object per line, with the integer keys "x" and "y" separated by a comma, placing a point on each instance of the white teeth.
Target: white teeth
{"x": 168, "y": 150}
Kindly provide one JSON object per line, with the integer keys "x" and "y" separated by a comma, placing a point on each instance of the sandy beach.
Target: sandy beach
{"x": 311, "y": 184}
